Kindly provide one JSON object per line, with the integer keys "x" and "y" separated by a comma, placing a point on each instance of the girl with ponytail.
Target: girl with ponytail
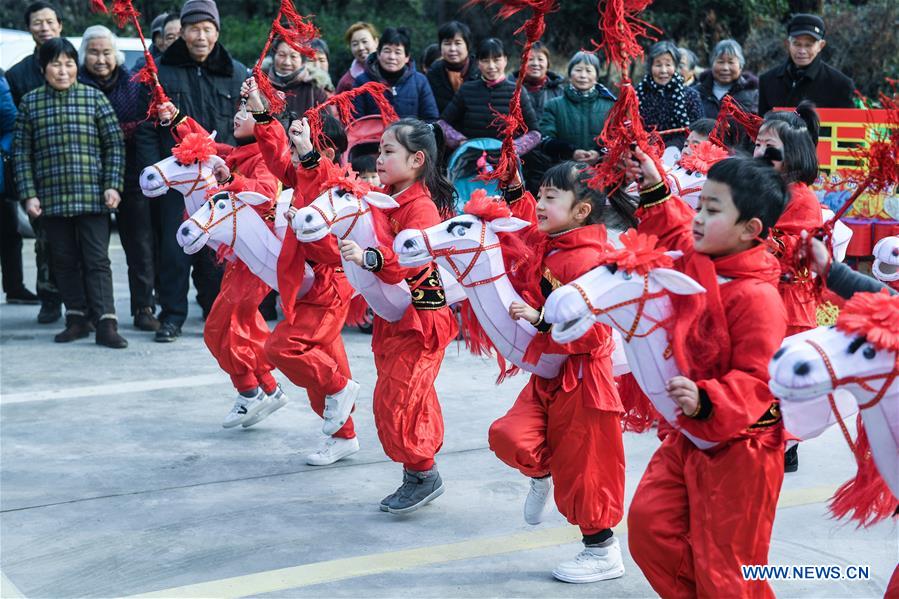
{"x": 408, "y": 352}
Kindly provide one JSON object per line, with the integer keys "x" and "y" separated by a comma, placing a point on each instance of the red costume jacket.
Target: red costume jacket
{"x": 755, "y": 321}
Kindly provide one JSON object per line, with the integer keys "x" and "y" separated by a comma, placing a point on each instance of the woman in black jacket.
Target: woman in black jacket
{"x": 727, "y": 78}
{"x": 470, "y": 114}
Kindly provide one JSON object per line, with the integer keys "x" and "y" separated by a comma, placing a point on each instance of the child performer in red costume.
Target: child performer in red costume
{"x": 789, "y": 139}
{"x": 235, "y": 332}
{"x": 408, "y": 353}
{"x": 306, "y": 346}
{"x": 697, "y": 516}
{"x": 566, "y": 431}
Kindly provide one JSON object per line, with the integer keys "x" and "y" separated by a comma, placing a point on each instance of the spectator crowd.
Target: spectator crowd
{"x": 75, "y": 138}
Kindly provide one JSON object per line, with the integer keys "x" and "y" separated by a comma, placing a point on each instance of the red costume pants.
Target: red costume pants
{"x": 407, "y": 413}
{"x": 310, "y": 351}
{"x": 235, "y": 332}
{"x": 697, "y": 516}
{"x": 550, "y": 431}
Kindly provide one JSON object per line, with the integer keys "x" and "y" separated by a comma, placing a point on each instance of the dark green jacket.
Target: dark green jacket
{"x": 68, "y": 150}
{"x": 573, "y": 120}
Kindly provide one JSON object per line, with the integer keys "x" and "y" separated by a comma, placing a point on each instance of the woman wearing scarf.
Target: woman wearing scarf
{"x": 664, "y": 101}
{"x": 289, "y": 74}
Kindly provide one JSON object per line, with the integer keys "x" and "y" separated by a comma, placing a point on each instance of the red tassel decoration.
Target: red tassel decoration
{"x": 124, "y": 11}
{"x": 356, "y": 314}
{"x": 298, "y": 32}
{"x": 731, "y": 112}
{"x": 624, "y": 128}
{"x": 99, "y": 6}
{"x": 512, "y": 124}
{"x": 620, "y": 28}
{"x": 343, "y": 104}
{"x": 866, "y": 499}
{"x": 639, "y": 413}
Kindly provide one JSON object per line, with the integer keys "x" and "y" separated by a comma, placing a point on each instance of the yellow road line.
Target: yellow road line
{"x": 365, "y": 565}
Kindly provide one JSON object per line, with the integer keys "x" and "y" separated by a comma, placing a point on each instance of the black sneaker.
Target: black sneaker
{"x": 145, "y": 320}
{"x": 167, "y": 332}
{"x": 22, "y": 296}
{"x": 49, "y": 313}
{"x": 418, "y": 490}
{"x": 791, "y": 459}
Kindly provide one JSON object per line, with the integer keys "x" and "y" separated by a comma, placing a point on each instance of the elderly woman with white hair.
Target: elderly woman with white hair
{"x": 665, "y": 103}
{"x": 727, "y": 77}
{"x": 103, "y": 67}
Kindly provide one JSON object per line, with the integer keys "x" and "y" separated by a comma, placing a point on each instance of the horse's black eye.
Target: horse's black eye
{"x": 151, "y": 176}
{"x": 221, "y": 205}
{"x": 612, "y": 267}
{"x": 856, "y": 343}
{"x": 869, "y": 353}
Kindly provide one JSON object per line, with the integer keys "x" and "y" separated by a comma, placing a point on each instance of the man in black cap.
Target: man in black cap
{"x": 804, "y": 76}
{"x": 203, "y": 82}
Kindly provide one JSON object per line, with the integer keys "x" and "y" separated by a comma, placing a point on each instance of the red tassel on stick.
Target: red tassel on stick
{"x": 624, "y": 128}
{"x": 343, "y": 104}
{"x": 298, "y": 32}
{"x": 730, "y": 112}
{"x": 99, "y": 6}
{"x": 620, "y": 28}
{"x": 513, "y": 124}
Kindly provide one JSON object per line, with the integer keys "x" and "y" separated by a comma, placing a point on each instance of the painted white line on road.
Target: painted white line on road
{"x": 8, "y": 590}
{"x": 306, "y": 575}
{"x": 113, "y": 388}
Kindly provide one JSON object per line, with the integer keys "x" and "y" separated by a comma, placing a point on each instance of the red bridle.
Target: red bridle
{"x": 361, "y": 210}
{"x": 861, "y": 381}
{"x": 210, "y": 222}
{"x": 194, "y": 183}
{"x": 630, "y": 332}
{"x": 449, "y": 252}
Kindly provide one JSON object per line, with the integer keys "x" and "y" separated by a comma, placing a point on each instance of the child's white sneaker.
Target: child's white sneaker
{"x": 338, "y": 407}
{"x": 273, "y": 403}
{"x": 538, "y": 497}
{"x": 243, "y": 409}
{"x": 593, "y": 564}
{"x": 332, "y": 450}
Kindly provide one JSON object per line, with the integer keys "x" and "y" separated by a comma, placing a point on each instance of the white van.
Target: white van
{"x": 16, "y": 45}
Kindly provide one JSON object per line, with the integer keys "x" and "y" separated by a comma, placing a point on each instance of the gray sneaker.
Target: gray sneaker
{"x": 418, "y": 490}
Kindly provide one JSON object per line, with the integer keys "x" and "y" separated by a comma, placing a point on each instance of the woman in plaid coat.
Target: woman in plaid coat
{"x": 70, "y": 161}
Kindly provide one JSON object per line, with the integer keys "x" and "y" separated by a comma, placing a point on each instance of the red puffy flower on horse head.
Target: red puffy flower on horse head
{"x": 195, "y": 147}
{"x": 486, "y": 207}
{"x": 640, "y": 253}
{"x": 703, "y": 157}
{"x": 343, "y": 177}
{"x": 874, "y": 316}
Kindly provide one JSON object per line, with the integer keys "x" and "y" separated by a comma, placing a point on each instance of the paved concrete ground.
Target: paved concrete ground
{"x": 117, "y": 479}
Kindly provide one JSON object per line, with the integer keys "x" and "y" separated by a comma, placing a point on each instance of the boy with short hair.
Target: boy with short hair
{"x": 697, "y": 516}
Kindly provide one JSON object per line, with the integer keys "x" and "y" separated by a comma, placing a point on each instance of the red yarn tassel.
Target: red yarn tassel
{"x": 624, "y": 128}
{"x": 639, "y": 413}
{"x": 124, "y": 11}
{"x": 297, "y": 33}
{"x": 513, "y": 124}
{"x": 620, "y": 28}
{"x": 866, "y": 499}
{"x": 356, "y": 314}
{"x": 99, "y": 6}
{"x": 343, "y": 104}
{"x": 731, "y": 112}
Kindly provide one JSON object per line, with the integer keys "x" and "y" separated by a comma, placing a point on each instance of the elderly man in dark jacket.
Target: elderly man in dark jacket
{"x": 203, "y": 81}
{"x": 804, "y": 76}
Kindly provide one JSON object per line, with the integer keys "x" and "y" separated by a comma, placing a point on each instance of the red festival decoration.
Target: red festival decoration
{"x": 513, "y": 124}
{"x": 297, "y": 33}
{"x": 702, "y": 157}
{"x": 124, "y": 11}
{"x": 343, "y": 104}
{"x": 195, "y": 147}
{"x": 639, "y": 253}
{"x": 731, "y": 112}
